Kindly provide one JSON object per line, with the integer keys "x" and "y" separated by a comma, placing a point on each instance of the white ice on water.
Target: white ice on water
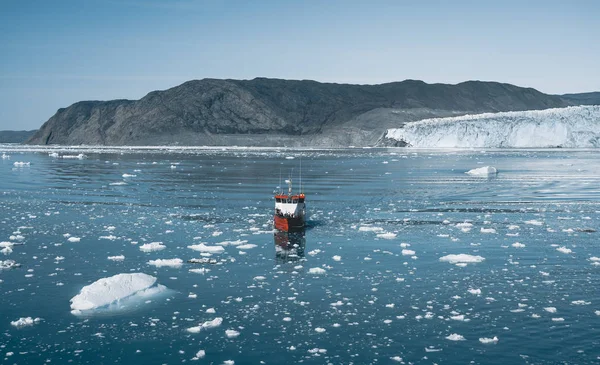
{"x": 483, "y": 171}
{"x": 316, "y": 271}
{"x": 455, "y": 337}
{"x": 571, "y": 127}
{"x": 201, "y": 247}
{"x": 25, "y": 321}
{"x": 166, "y": 262}
{"x": 108, "y": 290}
{"x": 486, "y": 340}
{"x": 462, "y": 258}
{"x": 152, "y": 246}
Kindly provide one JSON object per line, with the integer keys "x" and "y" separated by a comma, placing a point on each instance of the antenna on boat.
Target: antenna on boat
{"x": 300, "y": 174}
{"x": 280, "y": 187}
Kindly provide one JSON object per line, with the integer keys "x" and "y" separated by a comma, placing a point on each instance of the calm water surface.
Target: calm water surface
{"x": 379, "y": 222}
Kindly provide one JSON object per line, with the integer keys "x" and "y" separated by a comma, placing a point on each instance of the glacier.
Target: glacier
{"x": 570, "y": 127}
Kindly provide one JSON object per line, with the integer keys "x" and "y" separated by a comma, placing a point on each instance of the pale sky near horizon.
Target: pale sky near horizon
{"x": 55, "y": 53}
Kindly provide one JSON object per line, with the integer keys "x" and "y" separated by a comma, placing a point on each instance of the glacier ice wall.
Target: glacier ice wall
{"x": 571, "y": 127}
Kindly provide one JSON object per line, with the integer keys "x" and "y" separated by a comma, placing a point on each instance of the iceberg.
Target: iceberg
{"x": 571, "y": 127}
{"x": 483, "y": 171}
{"x": 462, "y": 258}
{"x": 25, "y": 321}
{"x": 204, "y": 248}
{"x": 106, "y": 291}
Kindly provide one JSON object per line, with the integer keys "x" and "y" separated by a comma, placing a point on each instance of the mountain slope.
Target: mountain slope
{"x": 278, "y": 112}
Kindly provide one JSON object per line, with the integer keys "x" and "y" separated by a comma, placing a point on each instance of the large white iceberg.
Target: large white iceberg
{"x": 571, "y": 127}
{"x": 107, "y": 291}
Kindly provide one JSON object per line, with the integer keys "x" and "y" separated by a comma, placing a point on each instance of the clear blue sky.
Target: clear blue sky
{"x": 54, "y": 53}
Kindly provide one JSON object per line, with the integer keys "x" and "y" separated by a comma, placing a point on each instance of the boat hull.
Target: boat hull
{"x": 288, "y": 224}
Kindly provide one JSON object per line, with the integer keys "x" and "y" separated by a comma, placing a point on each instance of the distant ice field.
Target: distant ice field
{"x": 407, "y": 259}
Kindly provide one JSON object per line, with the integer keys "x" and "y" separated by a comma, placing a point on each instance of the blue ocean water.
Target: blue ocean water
{"x": 364, "y": 284}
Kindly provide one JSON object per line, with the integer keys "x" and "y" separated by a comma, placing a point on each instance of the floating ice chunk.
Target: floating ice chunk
{"x": 231, "y": 333}
{"x": 5, "y": 156}
{"x": 518, "y": 245}
{"x": 80, "y": 156}
{"x": 129, "y": 175}
{"x": 212, "y": 324}
{"x": 462, "y": 258}
{"x": 559, "y": 319}
{"x": 534, "y": 222}
{"x": 459, "y": 317}
{"x": 316, "y": 271}
{"x": 246, "y": 246}
{"x": 455, "y": 337}
{"x": 512, "y": 227}
{"x": 25, "y": 321}
{"x": 595, "y": 259}
{"x": 152, "y": 246}
{"x": 387, "y": 235}
{"x": 597, "y": 313}
{"x": 166, "y": 262}
{"x": 202, "y": 270}
{"x": 564, "y": 250}
{"x": 73, "y": 239}
{"x": 204, "y": 248}
{"x": 105, "y": 291}
{"x": 487, "y": 230}
{"x": 580, "y": 302}
{"x": 21, "y": 164}
{"x": 211, "y": 311}
{"x": 464, "y": 225}
{"x": 483, "y": 171}
{"x": 337, "y": 258}
{"x": 8, "y": 264}
{"x": 550, "y": 309}
{"x": 475, "y": 291}
{"x": 370, "y": 229}
{"x": 319, "y": 329}
{"x": 287, "y": 319}
{"x": 199, "y": 355}
{"x": 116, "y": 258}
{"x": 396, "y": 358}
{"x": 406, "y": 252}
{"x": 486, "y": 340}
{"x": 118, "y": 183}
{"x": 260, "y": 278}
{"x": 228, "y": 362}
{"x": 53, "y": 155}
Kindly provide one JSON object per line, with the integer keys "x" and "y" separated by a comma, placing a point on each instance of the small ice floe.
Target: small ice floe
{"x": 210, "y": 311}
{"x": 203, "y": 260}
{"x": 113, "y": 289}
{"x": 534, "y": 222}
{"x": 80, "y": 156}
{"x": 487, "y": 230}
{"x": 455, "y": 337}
{"x": 166, "y": 262}
{"x": 387, "y": 235}
{"x": 247, "y": 246}
{"x": 53, "y": 154}
{"x": 199, "y": 271}
{"x": 486, "y": 340}
{"x": 580, "y": 302}
{"x": 316, "y": 271}
{"x": 21, "y": 164}
{"x": 260, "y": 278}
{"x": 559, "y": 319}
{"x": 337, "y": 258}
{"x": 396, "y": 358}
{"x": 118, "y": 183}
{"x": 5, "y": 156}
{"x": 192, "y": 295}
{"x": 512, "y": 227}
{"x": 564, "y": 250}
{"x": 370, "y": 229}
{"x": 320, "y": 330}
{"x": 231, "y": 333}
{"x": 206, "y": 325}
{"x": 550, "y": 309}
{"x": 201, "y": 247}
{"x": 8, "y": 264}
{"x": 597, "y": 313}
{"x": 152, "y": 246}
{"x": 199, "y": 355}
{"x": 406, "y": 252}
{"x": 595, "y": 260}
{"x": 475, "y": 291}
{"x": 25, "y": 321}
{"x": 482, "y": 171}
{"x": 73, "y": 239}
{"x": 460, "y": 317}
{"x": 518, "y": 245}
{"x": 462, "y": 259}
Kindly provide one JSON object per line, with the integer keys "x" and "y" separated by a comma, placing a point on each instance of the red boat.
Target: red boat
{"x": 290, "y": 211}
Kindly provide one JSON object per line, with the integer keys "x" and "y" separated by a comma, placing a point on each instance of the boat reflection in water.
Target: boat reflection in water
{"x": 289, "y": 246}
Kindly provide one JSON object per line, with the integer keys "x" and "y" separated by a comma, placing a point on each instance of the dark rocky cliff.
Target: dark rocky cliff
{"x": 273, "y": 112}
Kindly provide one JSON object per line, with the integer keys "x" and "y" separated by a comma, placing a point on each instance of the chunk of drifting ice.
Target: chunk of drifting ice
{"x": 316, "y": 271}
{"x": 260, "y": 278}
{"x": 560, "y": 319}
{"x": 396, "y": 358}
{"x": 462, "y": 258}
{"x": 564, "y": 250}
{"x": 116, "y": 258}
{"x": 534, "y": 222}
{"x": 406, "y": 252}
{"x": 246, "y": 246}
{"x": 212, "y": 324}
{"x": 370, "y": 229}
{"x": 166, "y": 262}
{"x": 319, "y": 330}
{"x": 231, "y": 333}
{"x": 105, "y": 291}
{"x": 518, "y": 245}
{"x": 199, "y": 355}
{"x": 455, "y": 337}
{"x": 487, "y": 230}
{"x": 387, "y": 235}
{"x": 580, "y": 302}
{"x": 21, "y": 164}
{"x": 483, "y": 171}
{"x": 550, "y": 309}
{"x": 24, "y": 321}
{"x": 204, "y": 248}
{"x": 73, "y": 239}
{"x": 337, "y": 258}
{"x": 486, "y": 340}
{"x": 152, "y": 246}
{"x": 475, "y": 291}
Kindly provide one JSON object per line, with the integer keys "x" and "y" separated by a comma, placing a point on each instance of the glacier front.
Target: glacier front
{"x": 571, "y": 127}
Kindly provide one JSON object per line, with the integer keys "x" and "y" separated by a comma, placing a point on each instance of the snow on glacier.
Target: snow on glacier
{"x": 106, "y": 291}
{"x": 571, "y": 127}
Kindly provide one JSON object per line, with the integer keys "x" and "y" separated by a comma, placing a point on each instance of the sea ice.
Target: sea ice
{"x": 105, "y": 291}
{"x": 518, "y": 245}
{"x": 487, "y": 230}
{"x": 21, "y": 164}
{"x": 316, "y": 271}
{"x": 387, "y": 235}
{"x": 246, "y": 246}
{"x": 475, "y": 291}
{"x": 116, "y": 258}
{"x": 24, "y": 321}
{"x": 534, "y": 222}
{"x": 231, "y": 333}
{"x": 461, "y": 258}
{"x": 486, "y": 340}
{"x": 406, "y": 252}
{"x": 73, "y": 239}
{"x": 199, "y": 355}
{"x": 337, "y": 258}
{"x": 455, "y": 337}
{"x": 483, "y": 171}
{"x": 204, "y": 248}
{"x": 564, "y": 250}
{"x": 166, "y": 262}
{"x": 550, "y": 309}
{"x": 152, "y": 246}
